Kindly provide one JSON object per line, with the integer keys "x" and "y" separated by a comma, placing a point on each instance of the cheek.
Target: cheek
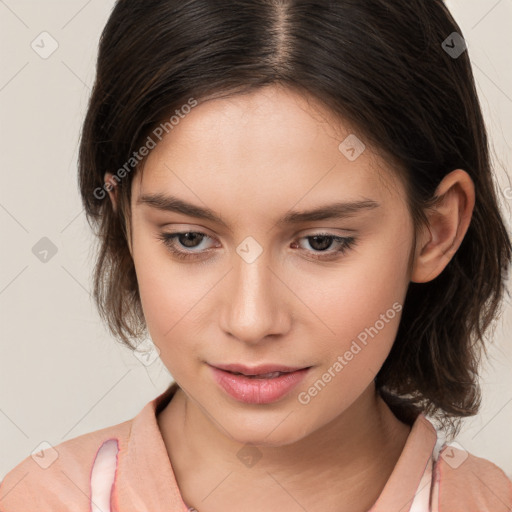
{"x": 348, "y": 360}
{"x": 166, "y": 293}
{"x": 360, "y": 305}
{"x": 168, "y": 306}
{"x": 352, "y": 296}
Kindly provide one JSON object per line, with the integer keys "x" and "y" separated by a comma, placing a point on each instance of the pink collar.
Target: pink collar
{"x": 135, "y": 473}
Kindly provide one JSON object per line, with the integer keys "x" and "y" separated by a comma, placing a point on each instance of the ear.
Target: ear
{"x": 448, "y": 222}
{"x": 111, "y": 188}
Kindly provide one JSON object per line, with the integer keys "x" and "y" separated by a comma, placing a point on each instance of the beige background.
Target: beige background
{"x": 61, "y": 375}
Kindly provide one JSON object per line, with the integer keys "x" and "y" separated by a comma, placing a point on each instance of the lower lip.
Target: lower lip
{"x": 257, "y": 391}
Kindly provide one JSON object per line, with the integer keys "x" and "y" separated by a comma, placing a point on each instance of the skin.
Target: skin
{"x": 252, "y": 158}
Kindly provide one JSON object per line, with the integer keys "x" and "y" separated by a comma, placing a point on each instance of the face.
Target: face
{"x": 254, "y": 283}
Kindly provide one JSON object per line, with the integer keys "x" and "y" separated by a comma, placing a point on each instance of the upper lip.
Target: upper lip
{"x": 257, "y": 370}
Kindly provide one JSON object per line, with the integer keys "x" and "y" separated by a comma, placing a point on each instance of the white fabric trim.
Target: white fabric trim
{"x": 421, "y": 502}
{"x": 427, "y": 493}
{"x": 103, "y": 476}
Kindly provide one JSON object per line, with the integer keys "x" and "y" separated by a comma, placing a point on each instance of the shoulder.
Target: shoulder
{"x": 466, "y": 482}
{"x": 58, "y": 476}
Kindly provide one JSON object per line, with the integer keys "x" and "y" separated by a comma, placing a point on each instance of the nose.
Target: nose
{"x": 256, "y": 305}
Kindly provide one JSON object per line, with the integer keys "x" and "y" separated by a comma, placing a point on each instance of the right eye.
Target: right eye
{"x": 187, "y": 239}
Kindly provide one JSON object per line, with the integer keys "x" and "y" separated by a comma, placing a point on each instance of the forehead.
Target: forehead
{"x": 272, "y": 145}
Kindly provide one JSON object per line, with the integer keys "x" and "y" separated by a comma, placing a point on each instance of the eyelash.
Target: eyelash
{"x": 346, "y": 243}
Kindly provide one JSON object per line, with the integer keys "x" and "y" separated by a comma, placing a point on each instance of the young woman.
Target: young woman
{"x": 294, "y": 199}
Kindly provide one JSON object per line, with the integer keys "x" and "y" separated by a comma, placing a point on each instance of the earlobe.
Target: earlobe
{"x": 448, "y": 222}
{"x": 110, "y": 187}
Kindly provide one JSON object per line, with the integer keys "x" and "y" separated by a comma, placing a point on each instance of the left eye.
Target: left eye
{"x": 320, "y": 242}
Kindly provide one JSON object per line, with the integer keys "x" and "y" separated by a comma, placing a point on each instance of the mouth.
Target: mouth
{"x": 262, "y": 371}
{"x": 271, "y": 375}
{"x": 258, "y": 385}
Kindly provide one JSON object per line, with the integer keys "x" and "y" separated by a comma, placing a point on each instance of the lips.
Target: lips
{"x": 260, "y": 371}
{"x": 271, "y": 375}
{"x": 263, "y": 384}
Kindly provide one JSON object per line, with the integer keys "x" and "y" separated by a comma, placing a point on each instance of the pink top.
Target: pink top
{"x": 126, "y": 468}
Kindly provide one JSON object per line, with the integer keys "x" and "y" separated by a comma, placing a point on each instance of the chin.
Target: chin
{"x": 260, "y": 440}
{"x": 266, "y": 434}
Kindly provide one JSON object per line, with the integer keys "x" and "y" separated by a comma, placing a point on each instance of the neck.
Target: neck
{"x": 342, "y": 466}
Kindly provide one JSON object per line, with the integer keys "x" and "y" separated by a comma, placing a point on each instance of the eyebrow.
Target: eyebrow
{"x": 338, "y": 210}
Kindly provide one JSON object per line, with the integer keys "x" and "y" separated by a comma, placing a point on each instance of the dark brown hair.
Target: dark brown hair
{"x": 378, "y": 64}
